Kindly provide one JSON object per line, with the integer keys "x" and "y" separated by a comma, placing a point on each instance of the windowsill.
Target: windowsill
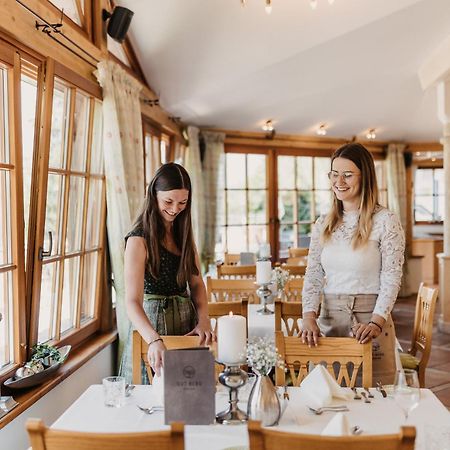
{"x": 76, "y": 359}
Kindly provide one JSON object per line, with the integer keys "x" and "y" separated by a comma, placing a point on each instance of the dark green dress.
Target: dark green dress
{"x": 167, "y": 305}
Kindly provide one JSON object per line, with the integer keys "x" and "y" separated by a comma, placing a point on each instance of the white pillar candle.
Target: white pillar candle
{"x": 263, "y": 271}
{"x": 264, "y": 251}
{"x": 231, "y": 339}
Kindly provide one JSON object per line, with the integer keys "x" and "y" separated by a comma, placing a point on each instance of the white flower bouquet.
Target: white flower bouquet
{"x": 262, "y": 355}
{"x": 280, "y": 277}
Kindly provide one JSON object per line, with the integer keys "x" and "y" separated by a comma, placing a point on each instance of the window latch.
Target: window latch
{"x": 43, "y": 253}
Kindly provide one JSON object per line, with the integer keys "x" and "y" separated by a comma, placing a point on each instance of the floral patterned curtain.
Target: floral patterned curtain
{"x": 396, "y": 188}
{"x": 123, "y": 150}
{"x": 213, "y": 179}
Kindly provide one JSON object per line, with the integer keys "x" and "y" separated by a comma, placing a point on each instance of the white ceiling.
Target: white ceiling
{"x": 352, "y": 65}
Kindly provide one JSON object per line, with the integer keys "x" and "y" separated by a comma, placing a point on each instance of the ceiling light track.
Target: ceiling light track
{"x": 268, "y": 4}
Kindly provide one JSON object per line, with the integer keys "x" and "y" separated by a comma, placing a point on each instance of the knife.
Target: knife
{"x": 381, "y": 389}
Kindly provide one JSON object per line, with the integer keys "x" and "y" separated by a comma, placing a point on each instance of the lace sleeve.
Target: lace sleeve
{"x": 392, "y": 247}
{"x": 315, "y": 275}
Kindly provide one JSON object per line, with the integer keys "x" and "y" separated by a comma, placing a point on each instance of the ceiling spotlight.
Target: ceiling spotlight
{"x": 321, "y": 131}
{"x": 268, "y": 6}
{"x": 371, "y": 134}
{"x": 268, "y": 126}
{"x": 313, "y": 4}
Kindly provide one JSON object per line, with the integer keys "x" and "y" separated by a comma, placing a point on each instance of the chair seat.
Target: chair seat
{"x": 409, "y": 361}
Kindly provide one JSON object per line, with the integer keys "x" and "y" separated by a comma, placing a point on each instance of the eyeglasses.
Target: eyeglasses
{"x": 333, "y": 175}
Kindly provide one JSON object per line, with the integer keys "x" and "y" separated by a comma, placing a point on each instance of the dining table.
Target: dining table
{"x": 381, "y": 416}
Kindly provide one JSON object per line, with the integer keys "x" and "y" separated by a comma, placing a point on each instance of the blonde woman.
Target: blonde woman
{"x": 355, "y": 263}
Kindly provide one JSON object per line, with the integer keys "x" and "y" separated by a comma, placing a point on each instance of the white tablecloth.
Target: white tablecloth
{"x": 381, "y": 416}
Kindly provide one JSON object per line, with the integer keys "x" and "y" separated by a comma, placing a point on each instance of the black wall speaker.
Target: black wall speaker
{"x": 119, "y": 22}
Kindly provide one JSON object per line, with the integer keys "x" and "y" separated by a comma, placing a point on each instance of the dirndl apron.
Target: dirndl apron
{"x": 173, "y": 315}
{"x": 340, "y": 312}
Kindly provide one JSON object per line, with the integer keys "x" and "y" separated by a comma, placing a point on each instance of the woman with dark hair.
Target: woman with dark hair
{"x": 355, "y": 263}
{"x": 164, "y": 290}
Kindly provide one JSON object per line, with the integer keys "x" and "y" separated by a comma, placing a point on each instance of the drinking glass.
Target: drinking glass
{"x": 406, "y": 391}
{"x": 114, "y": 391}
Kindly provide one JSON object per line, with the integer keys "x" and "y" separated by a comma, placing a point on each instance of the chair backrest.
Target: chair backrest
{"x": 44, "y": 438}
{"x": 295, "y": 252}
{"x": 297, "y": 260}
{"x": 140, "y": 348}
{"x": 267, "y": 439}
{"x": 226, "y": 290}
{"x": 293, "y": 289}
{"x": 294, "y": 270}
{"x": 288, "y": 313}
{"x": 231, "y": 259}
{"x": 218, "y": 309}
{"x": 236, "y": 272}
{"x": 343, "y": 358}
{"x": 423, "y": 327}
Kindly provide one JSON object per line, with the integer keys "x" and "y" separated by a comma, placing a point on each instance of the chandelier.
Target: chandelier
{"x": 312, "y": 3}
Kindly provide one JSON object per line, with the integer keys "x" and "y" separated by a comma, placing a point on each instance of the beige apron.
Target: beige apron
{"x": 340, "y": 312}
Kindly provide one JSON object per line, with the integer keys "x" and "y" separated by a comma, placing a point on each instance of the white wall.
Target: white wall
{"x": 14, "y": 436}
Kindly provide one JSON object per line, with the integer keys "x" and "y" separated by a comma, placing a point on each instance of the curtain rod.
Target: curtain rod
{"x": 48, "y": 28}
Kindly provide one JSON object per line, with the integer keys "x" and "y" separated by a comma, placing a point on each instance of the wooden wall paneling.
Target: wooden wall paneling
{"x": 44, "y": 153}
{"x": 17, "y": 213}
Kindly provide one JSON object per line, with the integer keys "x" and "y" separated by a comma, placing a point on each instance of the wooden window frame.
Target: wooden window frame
{"x": 432, "y": 165}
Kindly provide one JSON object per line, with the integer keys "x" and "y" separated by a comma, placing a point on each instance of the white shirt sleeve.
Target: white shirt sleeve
{"x": 392, "y": 248}
{"x": 315, "y": 276}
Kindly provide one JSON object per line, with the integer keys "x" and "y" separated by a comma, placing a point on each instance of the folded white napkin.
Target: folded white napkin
{"x": 158, "y": 389}
{"x": 319, "y": 388}
{"x": 337, "y": 426}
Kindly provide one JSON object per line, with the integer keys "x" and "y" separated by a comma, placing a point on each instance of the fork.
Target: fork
{"x": 151, "y": 410}
{"x": 356, "y": 430}
{"x": 321, "y": 410}
{"x": 366, "y": 399}
{"x": 356, "y": 396}
{"x": 369, "y": 393}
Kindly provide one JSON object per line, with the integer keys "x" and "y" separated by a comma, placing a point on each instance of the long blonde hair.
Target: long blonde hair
{"x": 361, "y": 157}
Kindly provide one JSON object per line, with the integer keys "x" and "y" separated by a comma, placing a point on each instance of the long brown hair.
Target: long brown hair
{"x": 169, "y": 176}
{"x": 362, "y": 158}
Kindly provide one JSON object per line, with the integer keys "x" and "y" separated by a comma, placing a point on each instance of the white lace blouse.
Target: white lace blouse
{"x": 336, "y": 268}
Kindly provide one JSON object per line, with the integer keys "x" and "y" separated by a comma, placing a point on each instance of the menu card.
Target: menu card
{"x": 189, "y": 386}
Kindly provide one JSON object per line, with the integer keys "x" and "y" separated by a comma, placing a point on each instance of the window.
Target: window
{"x": 380, "y": 169}
{"x": 429, "y": 195}
{"x": 67, "y": 287}
{"x": 245, "y": 223}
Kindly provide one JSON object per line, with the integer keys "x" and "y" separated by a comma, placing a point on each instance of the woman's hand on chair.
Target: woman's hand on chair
{"x": 154, "y": 355}
{"x": 310, "y": 330}
{"x": 203, "y": 330}
{"x": 364, "y": 332}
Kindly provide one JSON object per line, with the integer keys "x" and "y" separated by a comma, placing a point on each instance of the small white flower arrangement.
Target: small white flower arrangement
{"x": 280, "y": 277}
{"x": 262, "y": 355}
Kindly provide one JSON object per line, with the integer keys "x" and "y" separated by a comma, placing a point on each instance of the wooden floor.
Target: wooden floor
{"x": 438, "y": 370}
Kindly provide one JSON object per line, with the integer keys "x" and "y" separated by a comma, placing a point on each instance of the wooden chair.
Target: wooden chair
{"x": 225, "y": 290}
{"x": 295, "y": 252}
{"x": 218, "y": 309}
{"x": 297, "y": 260}
{"x": 422, "y": 333}
{"x": 334, "y": 351}
{"x": 231, "y": 259}
{"x": 236, "y": 272}
{"x": 267, "y": 439}
{"x": 44, "y": 438}
{"x": 288, "y": 313}
{"x": 294, "y": 270}
{"x": 293, "y": 289}
{"x": 140, "y": 348}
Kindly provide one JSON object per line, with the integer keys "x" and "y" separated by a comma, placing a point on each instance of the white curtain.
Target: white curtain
{"x": 123, "y": 150}
{"x": 213, "y": 179}
{"x": 194, "y": 167}
{"x": 396, "y": 188}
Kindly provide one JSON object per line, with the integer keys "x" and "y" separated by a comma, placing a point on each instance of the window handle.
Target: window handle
{"x": 43, "y": 253}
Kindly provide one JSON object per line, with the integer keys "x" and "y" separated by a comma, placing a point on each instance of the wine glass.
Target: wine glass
{"x": 407, "y": 391}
